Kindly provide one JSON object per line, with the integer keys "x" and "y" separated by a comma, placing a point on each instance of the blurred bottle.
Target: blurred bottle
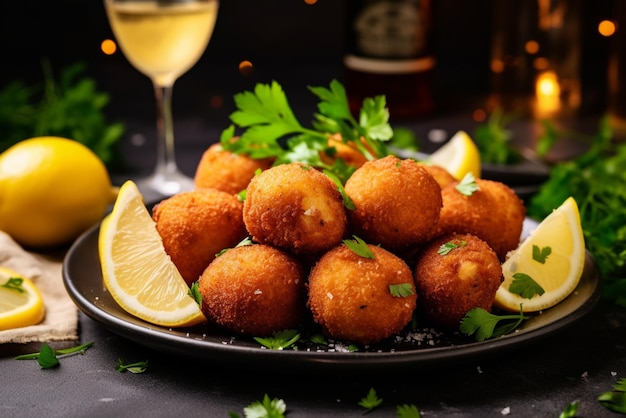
{"x": 389, "y": 52}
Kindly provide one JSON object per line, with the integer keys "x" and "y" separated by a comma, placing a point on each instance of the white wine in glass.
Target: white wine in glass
{"x": 163, "y": 39}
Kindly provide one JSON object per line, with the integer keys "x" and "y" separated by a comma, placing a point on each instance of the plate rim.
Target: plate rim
{"x": 179, "y": 341}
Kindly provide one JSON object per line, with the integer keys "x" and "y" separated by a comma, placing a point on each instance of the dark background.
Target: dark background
{"x": 289, "y": 41}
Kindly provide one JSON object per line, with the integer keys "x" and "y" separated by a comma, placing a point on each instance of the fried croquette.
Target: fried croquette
{"x": 454, "y": 274}
{"x": 493, "y": 213}
{"x": 196, "y": 225}
{"x": 296, "y": 208}
{"x": 254, "y": 290}
{"x": 227, "y": 171}
{"x": 353, "y": 299}
{"x": 348, "y": 152}
{"x": 397, "y": 203}
{"x": 440, "y": 174}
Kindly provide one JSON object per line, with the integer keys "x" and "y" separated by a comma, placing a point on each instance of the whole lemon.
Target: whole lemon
{"x": 51, "y": 190}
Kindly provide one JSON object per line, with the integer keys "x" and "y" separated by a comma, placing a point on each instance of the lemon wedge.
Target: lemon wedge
{"x": 137, "y": 271}
{"x": 459, "y": 156}
{"x": 553, "y": 256}
{"x": 21, "y": 303}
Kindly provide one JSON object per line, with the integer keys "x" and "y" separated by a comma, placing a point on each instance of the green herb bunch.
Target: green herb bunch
{"x": 71, "y": 107}
{"x": 271, "y": 129}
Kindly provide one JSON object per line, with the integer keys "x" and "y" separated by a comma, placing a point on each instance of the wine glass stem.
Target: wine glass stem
{"x": 166, "y": 157}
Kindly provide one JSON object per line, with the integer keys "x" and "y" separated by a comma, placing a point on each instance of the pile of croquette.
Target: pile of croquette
{"x": 399, "y": 239}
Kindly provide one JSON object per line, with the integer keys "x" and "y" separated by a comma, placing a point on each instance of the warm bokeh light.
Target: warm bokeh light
{"x": 310, "y": 1}
{"x": 479, "y": 115}
{"x": 548, "y": 93}
{"x": 606, "y": 28}
{"x": 497, "y": 66}
{"x": 531, "y": 47}
{"x": 541, "y": 63}
{"x": 108, "y": 46}
{"x": 245, "y": 68}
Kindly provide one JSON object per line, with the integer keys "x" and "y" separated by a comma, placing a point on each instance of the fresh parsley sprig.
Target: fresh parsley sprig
{"x": 135, "y": 368}
{"x": 14, "y": 283}
{"x": 359, "y": 247}
{"x": 280, "y": 340}
{"x": 371, "y": 400}
{"x": 615, "y": 400}
{"x": 407, "y": 411}
{"x": 267, "y": 408}
{"x": 482, "y": 324}
{"x": 271, "y": 129}
{"x": 468, "y": 185}
{"x": 48, "y": 358}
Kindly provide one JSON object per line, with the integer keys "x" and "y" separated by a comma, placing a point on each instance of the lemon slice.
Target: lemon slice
{"x": 21, "y": 303}
{"x": 553, "y": 255}
{"x": 459, "y": 156}
{"x": 137, "y": 271}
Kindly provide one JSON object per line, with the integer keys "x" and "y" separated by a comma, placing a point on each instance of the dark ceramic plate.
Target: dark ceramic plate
{"x": 426, "y": 348}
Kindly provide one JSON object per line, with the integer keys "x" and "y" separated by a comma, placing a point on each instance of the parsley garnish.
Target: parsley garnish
{"x": 570, "y": 410}
{"x": 347, "y": 201}
{"x": 280, "y": 340}
{"x": 194, "y": 292}
{"x": 137, "y": 367}
{"x": 616, "y": 399}
{"x": 482, "y": 323}
{"x": 449, "y": 246}
{"x": 14, "y": 283}
{"x": 242, "y": 243}
{"x": 541, "y": 254}
{"x": 407, "y": 411}
{"x": 525, "y": 286}
{"x": 47, "y": 357}
{"x": 267, "y": 408}
{"x": 359, "y": 247}
{"x": 370, "y": 401}
{"x": 401, "y": 290}
{"x": 270, "y": 128}
{"x": 467, "y": 186}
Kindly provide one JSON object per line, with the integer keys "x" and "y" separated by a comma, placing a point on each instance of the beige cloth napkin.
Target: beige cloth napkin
{"x": 61, "y": 318}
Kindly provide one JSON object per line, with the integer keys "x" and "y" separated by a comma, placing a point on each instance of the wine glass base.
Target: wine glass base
{"x": 161, "y": 185}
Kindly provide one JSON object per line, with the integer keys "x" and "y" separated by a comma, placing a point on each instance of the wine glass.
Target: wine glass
{"x": 163, "y": 39}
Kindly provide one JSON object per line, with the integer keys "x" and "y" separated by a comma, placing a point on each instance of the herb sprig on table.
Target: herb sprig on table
{"x": 271, "y": 129}
{"x": 69, "y": 107}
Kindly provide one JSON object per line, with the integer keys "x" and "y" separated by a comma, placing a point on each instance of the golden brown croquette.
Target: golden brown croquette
{"x": 397, "y": 203}
{"x": 254, "y": 290}
{"x": 296, "y": 208}
{"x": 455, "y": 273}
{"x": 353, "y": 298}
{"x": 493, "y": 213}
{"x": 439, "y": 173}
{"x": 227, "y": 171}
{"x": 196, "y": 225}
